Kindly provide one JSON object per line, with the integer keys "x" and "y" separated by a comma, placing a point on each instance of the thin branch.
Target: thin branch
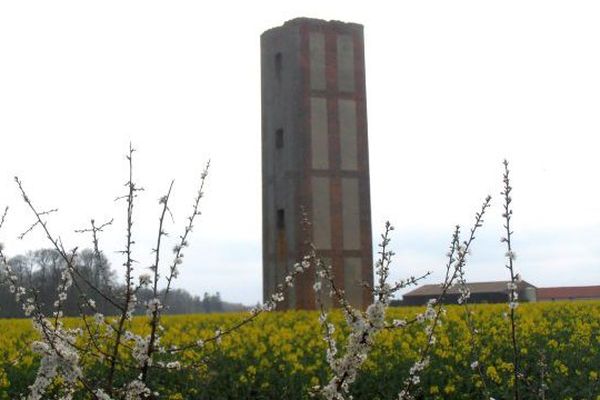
{"x": 155, "y": 319}
{"x": 177, "y": 250}
{"x": 3, "y": 219}
{"x": 457, "y": 257}
{"x": 128, "y": 264}
{"x": 512, "y": 290}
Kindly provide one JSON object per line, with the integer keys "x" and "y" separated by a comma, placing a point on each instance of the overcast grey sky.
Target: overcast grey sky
{"x": 453, "y": 88}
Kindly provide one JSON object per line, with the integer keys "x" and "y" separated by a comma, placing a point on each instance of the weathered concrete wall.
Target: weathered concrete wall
{"x": 347, "y": 115}
{"x": 345, "y": 63}
{"x": 353, "y": 279}
{"x": 319, "y": 137}
{"x": 282, "y": 88}
{"x": 321, "y": 213}
{"x": 313, "y": 93}
{"x": 317, "y": 60}
{"x": 350, "y": 214}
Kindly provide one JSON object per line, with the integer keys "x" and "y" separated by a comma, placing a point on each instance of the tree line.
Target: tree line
{"x": 42, "y": 270}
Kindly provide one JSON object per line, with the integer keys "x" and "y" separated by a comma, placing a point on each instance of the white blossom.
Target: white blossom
{"x": 153, "y": 306}
{"x": 277, "y": 297}
{"x": 399, "y": 323}
{"x": 99, "y": 318}
{"x": 289, "y": 280}
{"x": 136, "y": 390}
{"x": 145, "y": 279}
{"x": 57, "y": 358}
{"x": 100, "y": 394}
{"x": 174, "y": 365}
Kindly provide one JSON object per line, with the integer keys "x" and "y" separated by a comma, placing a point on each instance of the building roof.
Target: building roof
{"x": 572, "y": 292}
{"x": 474, "y": 287}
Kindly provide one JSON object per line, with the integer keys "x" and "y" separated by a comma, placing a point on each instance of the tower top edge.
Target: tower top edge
{"x": 315, "y": 22}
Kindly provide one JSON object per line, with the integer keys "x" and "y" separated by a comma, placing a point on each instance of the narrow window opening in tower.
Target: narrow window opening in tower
{"x": 279, "y": 138}
{"x": 280, "y": 219}
{"x": 278, "y": 65}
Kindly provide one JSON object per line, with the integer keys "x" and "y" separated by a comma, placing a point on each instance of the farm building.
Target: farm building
{"x": 568, "y": 293}
{"x": 481, "y": 292}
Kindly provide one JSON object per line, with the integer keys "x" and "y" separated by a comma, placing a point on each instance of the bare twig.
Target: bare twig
{"x": 512, "y": 289}
{"x": 155, "y": 317}
{"x": 128, "y": 264}
{"x": 177, "y": 250}
{"x": 457, "y": 257}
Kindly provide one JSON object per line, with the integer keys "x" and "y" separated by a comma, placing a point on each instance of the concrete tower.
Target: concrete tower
{"x": 315, "y": 156}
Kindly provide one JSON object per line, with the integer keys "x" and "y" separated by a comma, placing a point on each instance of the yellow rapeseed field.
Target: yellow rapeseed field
{"x": 282, "y": 355}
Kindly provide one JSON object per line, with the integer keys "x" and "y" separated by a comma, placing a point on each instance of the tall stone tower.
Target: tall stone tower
{"x": 315, "y": 156}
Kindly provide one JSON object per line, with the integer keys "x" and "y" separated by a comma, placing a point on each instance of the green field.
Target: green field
{"x": 282, "y": 355}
